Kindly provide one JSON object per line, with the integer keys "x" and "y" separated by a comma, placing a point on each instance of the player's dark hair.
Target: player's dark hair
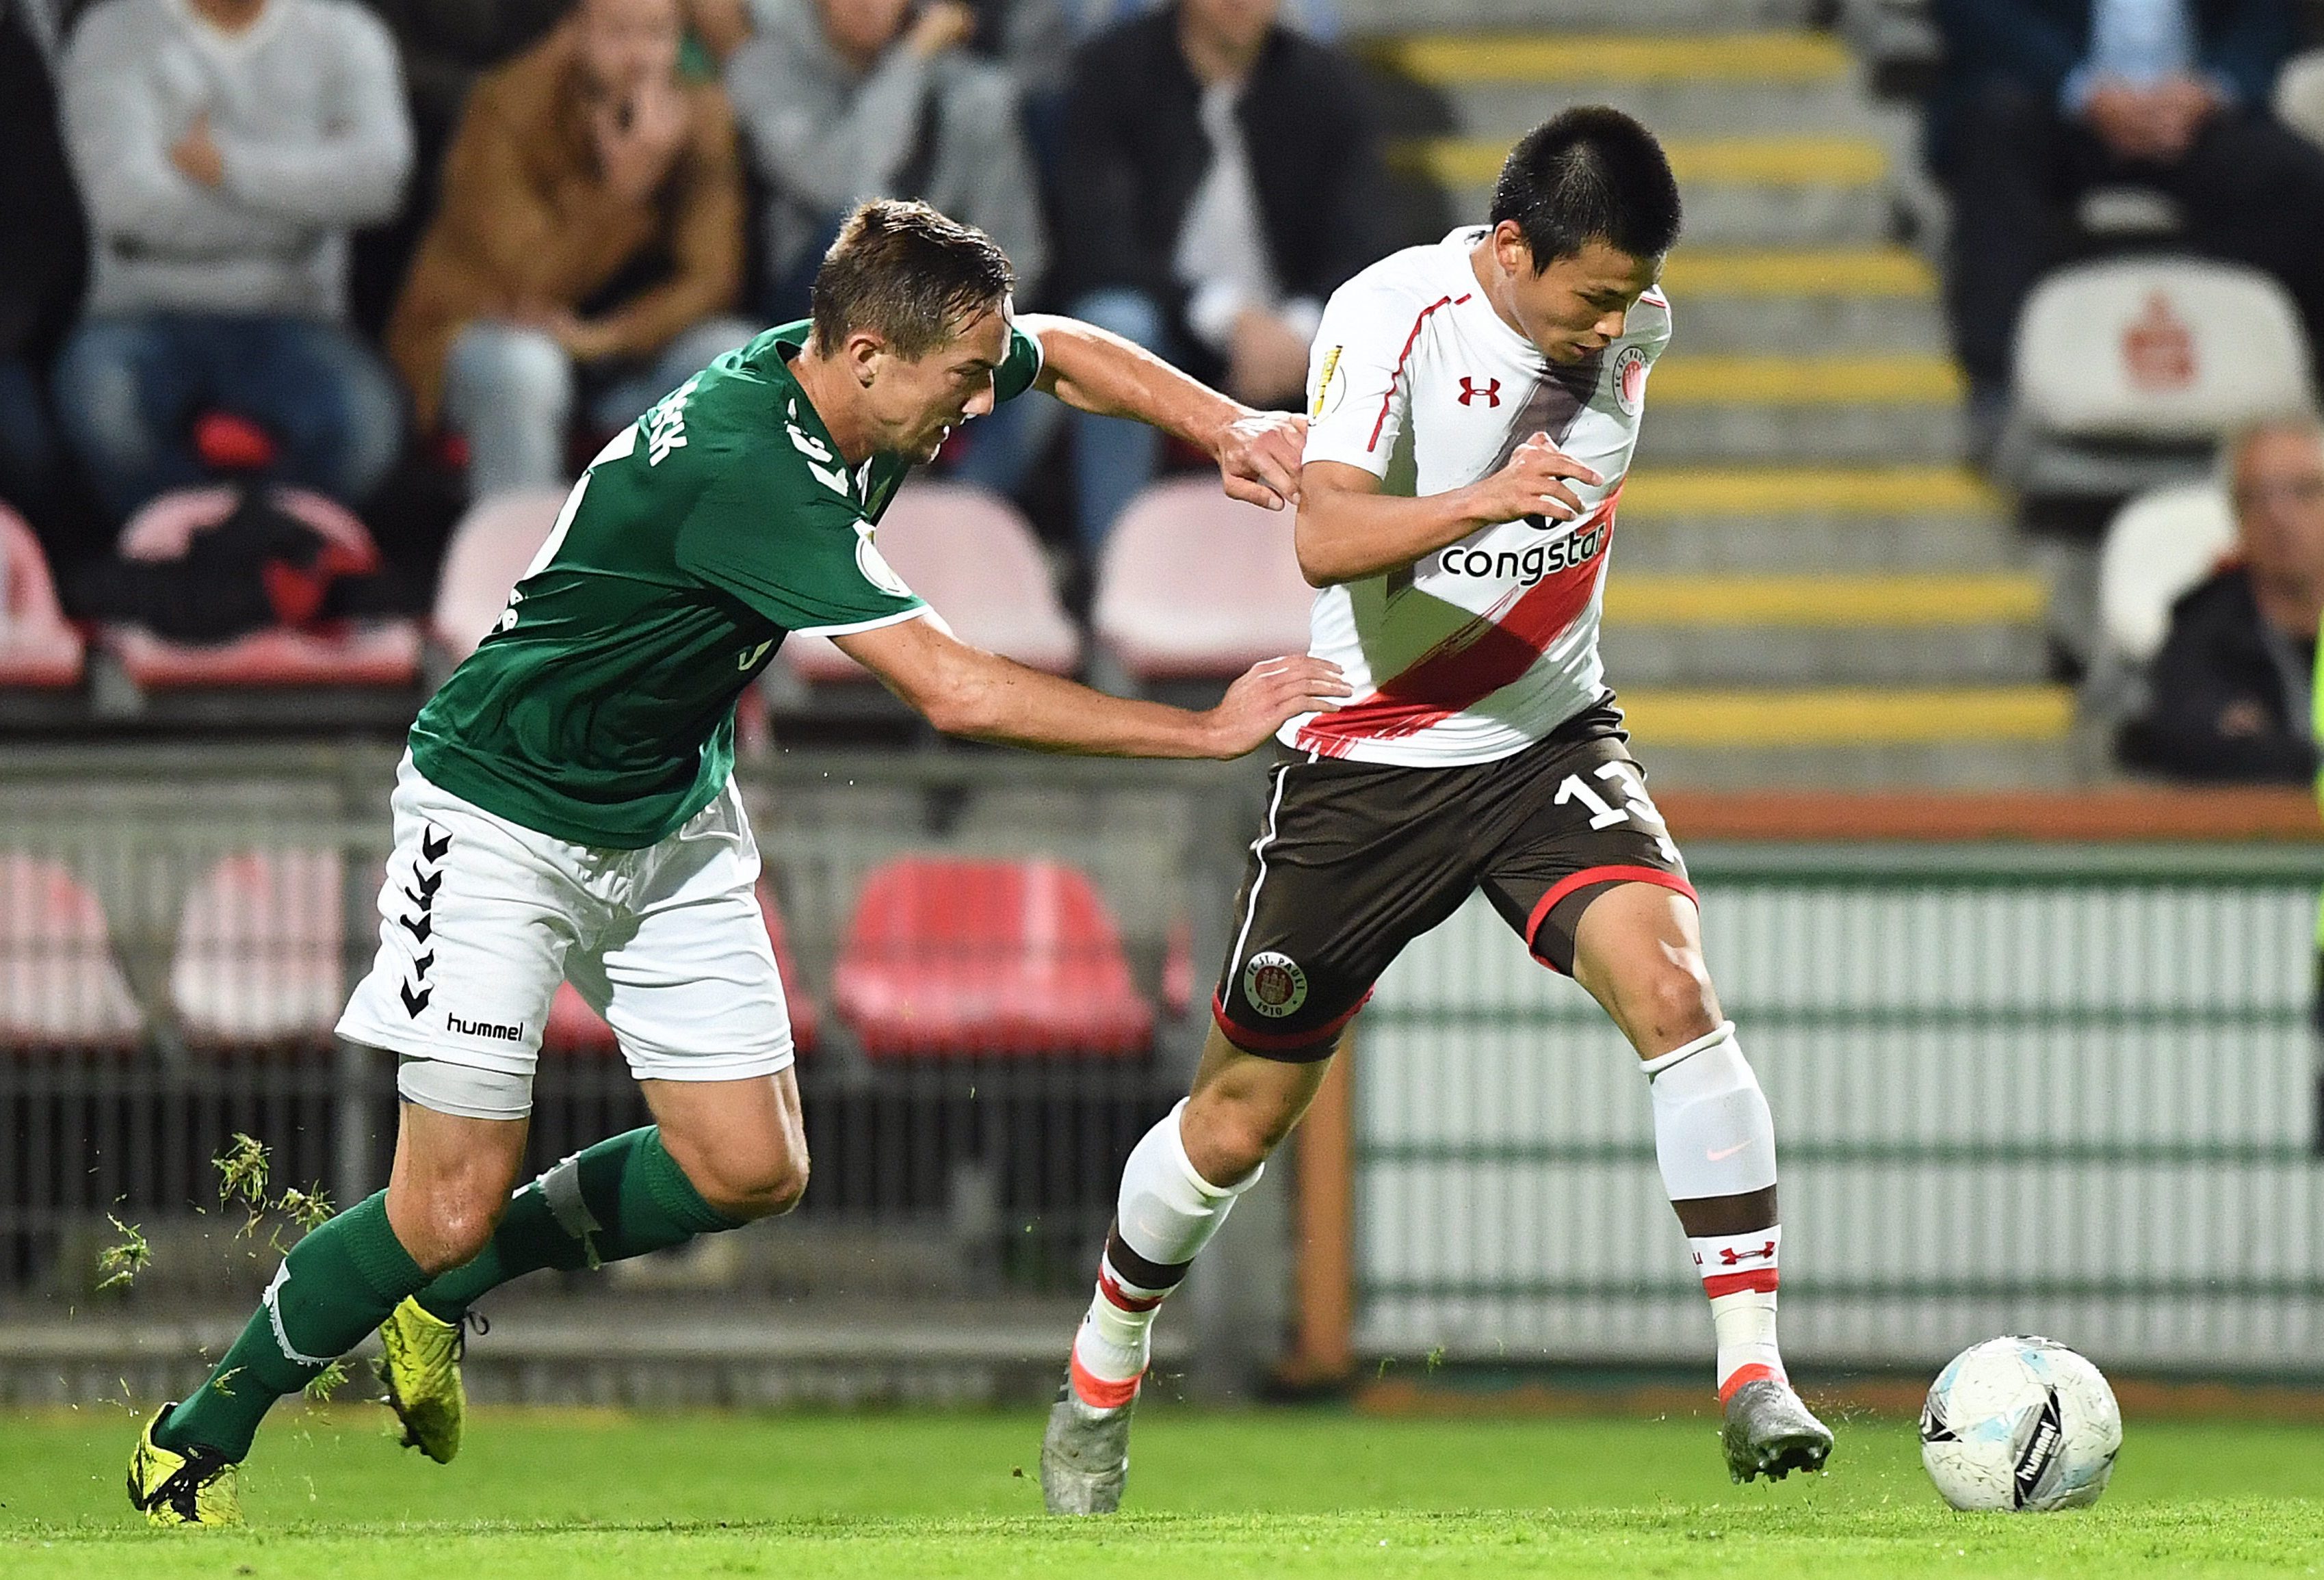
{"x": 908, "y": 275}
{"x": 1591, "y": 174}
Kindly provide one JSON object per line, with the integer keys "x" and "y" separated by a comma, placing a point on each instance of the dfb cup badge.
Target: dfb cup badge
{"x": 1274, "y": 984}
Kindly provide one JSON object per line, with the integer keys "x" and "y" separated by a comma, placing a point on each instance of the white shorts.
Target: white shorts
{"x": 481, "y": 919}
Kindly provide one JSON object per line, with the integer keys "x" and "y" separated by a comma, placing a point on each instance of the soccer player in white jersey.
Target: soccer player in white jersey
{"x": 1474, "y": 409}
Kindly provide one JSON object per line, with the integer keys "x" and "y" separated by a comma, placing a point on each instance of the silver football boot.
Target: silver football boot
{"x": 1770, "y": 1432}
{"x": 1084, "y": 1454}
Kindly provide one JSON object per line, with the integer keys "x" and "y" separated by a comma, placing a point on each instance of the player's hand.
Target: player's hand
{"x": 946, "y": 24}
{"x": 1266, "y": 694}
{"x": 638, "y": 135}
{"x": 1258, "y": 457}
{"x": 1534, "y": 484}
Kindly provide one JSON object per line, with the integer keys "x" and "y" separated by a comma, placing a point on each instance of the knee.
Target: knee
{"x": 497, "y": 367}
{"x": 757, "y": 1188}
{"x": 446, "y": 1226}
{"x": 1228, "y": 1136}
{"x": 1673, "y": 1003}
{"x": 98, "y": 395}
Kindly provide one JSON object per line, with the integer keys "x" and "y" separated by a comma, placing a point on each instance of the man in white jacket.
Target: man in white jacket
{"x": 225, "y": 150}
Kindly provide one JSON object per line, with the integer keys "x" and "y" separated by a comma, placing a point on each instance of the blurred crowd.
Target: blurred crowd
{"x": 321, "y": 240}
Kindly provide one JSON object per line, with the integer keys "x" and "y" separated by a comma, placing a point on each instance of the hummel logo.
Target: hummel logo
{"x": 1730, "y": 1257}
{"x": 1490, "y": 393}
{"x": 420, "y": 926}
{"x": 431, "y": 849}
{"x": 434, "y": 845}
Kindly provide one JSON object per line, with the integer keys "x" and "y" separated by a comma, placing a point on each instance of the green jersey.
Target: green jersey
{"x": 601, "y": 708}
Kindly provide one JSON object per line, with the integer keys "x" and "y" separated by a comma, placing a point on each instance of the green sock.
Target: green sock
{"x": 619, "y": 1198}
{"x": 337, "y": 1285}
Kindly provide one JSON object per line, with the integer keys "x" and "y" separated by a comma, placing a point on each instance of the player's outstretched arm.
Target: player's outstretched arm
{"x": 966, "y": 690}
{"x": 1349, "y": 529}
{"x": 1092, "y": 369}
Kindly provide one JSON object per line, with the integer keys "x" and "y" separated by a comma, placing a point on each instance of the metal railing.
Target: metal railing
{"x": 2059, "y": 1088}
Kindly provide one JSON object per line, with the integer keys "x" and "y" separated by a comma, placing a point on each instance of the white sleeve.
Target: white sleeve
{"x": 1359, "y": 388}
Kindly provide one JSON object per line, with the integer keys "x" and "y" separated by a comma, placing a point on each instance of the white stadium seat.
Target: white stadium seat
{"x": 2299, "y": 96}
{"x": 1194, "y": 584}
{"x": 490, "y": 549}
{"x": 2160, "y": 544}
{"x": 975, "y": 560}
{"x": 2129, "y": 370}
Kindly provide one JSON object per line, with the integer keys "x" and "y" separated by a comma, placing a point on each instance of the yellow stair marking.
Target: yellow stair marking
{"x": 1761, "y": 162}
{"x": 1449, "y": 60}
{"x": 1774, "y": 491}
{"x": 1870, "y": 271}
{"x": 1848, "y": 716}
{"x": 1797, "y": 380}
{"x": 1880, "y": 600}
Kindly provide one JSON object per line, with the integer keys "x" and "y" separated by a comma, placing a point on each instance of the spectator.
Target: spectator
{"x": 1221, "y": 180}
{"x": 849, "y": 99}
{"x": 2045, "y": 100}
{"x": 41, "y": 266}
{"x": 225, "y": 149}
{"x": 590, "y": 239}
{"x": 2232, "y": 692}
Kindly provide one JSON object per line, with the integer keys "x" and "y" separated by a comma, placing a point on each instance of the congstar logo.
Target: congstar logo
{"x": 1525, "y": 566}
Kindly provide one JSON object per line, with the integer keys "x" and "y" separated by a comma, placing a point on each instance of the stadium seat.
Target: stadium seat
{"x": 2159, "y": 545}
{"x": 60, "y": 983}
{"x": 381, "y": 653}
{"x": 960, "y": 959}
{"x": 38, "y": 651}
{"x": 1195, "y": 584}
{"x": 575, "y": 1028}
{"x": 977, "y": 563}
{"x": 2128, "y": 372}
{"x": 490, "y": 549}
{"x": 261, "y": 947}
{"x": 2299, "y": 96}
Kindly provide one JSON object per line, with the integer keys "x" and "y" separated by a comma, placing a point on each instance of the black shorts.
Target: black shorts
{"x": 1354, "y": 860}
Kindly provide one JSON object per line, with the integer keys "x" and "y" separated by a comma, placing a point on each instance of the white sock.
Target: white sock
{"x": 1740, "y": 1276}
{"x": 1166, "y": 1213}
{"x": 1715, "y": 1137}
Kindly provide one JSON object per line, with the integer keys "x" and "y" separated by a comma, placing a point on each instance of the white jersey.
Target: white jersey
{"x": 1484, "y": 647}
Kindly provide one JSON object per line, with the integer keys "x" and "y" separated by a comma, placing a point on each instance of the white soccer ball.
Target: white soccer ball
{"x": 2020, "y": 1424}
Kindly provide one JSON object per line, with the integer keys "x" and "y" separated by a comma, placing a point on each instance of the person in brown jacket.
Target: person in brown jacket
{"x": 589, "y": 239}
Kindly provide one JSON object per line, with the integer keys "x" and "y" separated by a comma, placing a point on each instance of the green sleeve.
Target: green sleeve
{"x": 1019, "y": 368}
{"x": 794, "y": 548}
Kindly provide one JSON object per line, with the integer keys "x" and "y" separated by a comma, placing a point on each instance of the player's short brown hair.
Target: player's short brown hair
{"x": 908, "y": 274}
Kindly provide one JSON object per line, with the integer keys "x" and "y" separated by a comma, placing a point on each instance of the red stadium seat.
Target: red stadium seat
{"x": 262, "y": 948}
{"x": 491, "y": 548}
{"x": 37, "y": 649}
{"x": 952, "y": 958}
{"x": 575, "y": 1028}
{"x": 1195, "y": 584}
{"x": 59, "y": 984}
{"x": 973, "y": 558}
{"x": 384, "y": 653}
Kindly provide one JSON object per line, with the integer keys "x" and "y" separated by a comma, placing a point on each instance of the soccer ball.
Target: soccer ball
{"x": 2020, "y": 1423}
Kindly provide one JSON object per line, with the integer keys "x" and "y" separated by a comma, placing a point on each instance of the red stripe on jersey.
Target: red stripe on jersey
{"x": 1472, "y": 663}
{"x": 1759, "y": 1280}
{"x": 1590, "y": 875}
{"x": 1652, "y": 297}
{"x": 1410, "y": 341}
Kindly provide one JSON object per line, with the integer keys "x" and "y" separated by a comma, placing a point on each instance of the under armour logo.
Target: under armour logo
{"x": 1732, "y": 1257}
{"x": 1490, "y": 394}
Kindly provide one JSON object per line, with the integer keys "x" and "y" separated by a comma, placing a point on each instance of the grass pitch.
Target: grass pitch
{"x": 1275, "y": 1493}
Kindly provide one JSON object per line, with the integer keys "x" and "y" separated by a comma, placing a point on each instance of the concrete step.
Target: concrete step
{"x": 1791, "y": 630}
{"x": 1831, "y": 521}
{"x": 1954, "y": 765}
{"x": 1848, "y": 716}
{"x": 1359, "y": 18}
{"x": 1825, "y": 300}
{"x": 1747, "y": 191}
{"x": 1893, "y": 408}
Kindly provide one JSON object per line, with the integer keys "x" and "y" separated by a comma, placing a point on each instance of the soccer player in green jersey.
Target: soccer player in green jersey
{"x": 566, "y": 812}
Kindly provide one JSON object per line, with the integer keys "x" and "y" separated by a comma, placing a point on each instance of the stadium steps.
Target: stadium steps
{"x": 1809, "y": 587}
